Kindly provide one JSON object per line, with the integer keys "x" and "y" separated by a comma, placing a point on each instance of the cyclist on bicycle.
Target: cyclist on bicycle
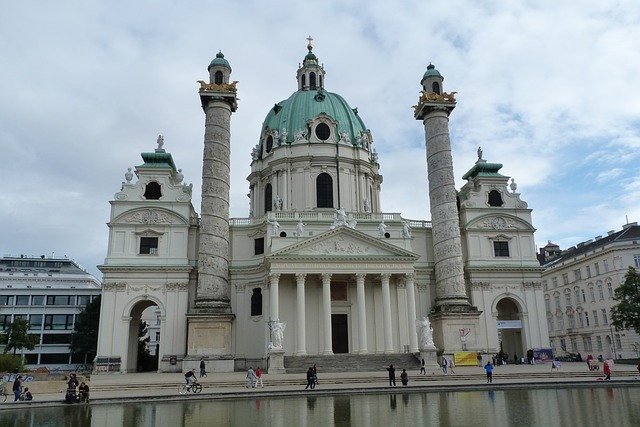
{"x": 190, "y": 377}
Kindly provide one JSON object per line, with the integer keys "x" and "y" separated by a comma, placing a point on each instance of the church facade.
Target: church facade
{"x": 316, "y": 268}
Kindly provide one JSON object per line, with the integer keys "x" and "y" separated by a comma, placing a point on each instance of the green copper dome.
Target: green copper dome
{"x": 431, "y": 72}
{"x": 293, "y": 113}
{"x": 219, "y": 61}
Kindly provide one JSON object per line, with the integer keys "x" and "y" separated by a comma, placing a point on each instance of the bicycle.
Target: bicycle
{"x": 3, "y": 393}
{"x": 193, "y": 388}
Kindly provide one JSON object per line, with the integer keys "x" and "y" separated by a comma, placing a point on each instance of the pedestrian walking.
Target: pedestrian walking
{"x": 203, "y": 370}
{"x": 606, "y": 368}
{"x": 259, "y": 377}
{"x": 17, "y": 388}
{"x": 451, "y": 366}
{"x": 404, "y": 377}
{"x": 489, "y": 370}
{"x": 443, "y": 364}
{"x": 392, "y": 375}
{"x": 422, "y": 368}
{"x": 315, "y": 375}
{"x": 251, "y": 377}
{"x": 479, "y": 359}
{"x": 310, "y": 382}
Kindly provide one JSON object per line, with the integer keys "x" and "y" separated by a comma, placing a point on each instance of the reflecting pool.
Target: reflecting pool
{"x": 615, "y": 406}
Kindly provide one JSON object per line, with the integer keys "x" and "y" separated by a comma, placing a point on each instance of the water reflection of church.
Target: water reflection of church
{"x": 316, "y": 252}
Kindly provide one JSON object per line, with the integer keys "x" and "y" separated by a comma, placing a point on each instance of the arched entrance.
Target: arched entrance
{"x": 509, "y": 323}
{"x": 144, "y": 337}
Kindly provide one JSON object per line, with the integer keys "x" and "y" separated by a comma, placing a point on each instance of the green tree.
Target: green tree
{"x": 626, "y": 313}
{"x": 85, "y": 331}
{"x": 145, "y": 360}
{"x": 17, "y": 336}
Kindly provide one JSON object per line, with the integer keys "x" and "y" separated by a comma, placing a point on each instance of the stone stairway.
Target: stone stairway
{"x": 351, "y": 362}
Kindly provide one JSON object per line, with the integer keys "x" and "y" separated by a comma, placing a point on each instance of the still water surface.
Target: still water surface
{"x": 616, "y": 406}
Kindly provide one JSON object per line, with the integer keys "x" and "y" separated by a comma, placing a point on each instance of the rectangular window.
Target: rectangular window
{"x": 83, "y": 300}
{"x": 586, "y": 341}
{"x": 574, "y": 344}
{"x": 501, "y": 249}
{"x": 596, "y": 322}
{"x": 599, "y": 343}
{"x": 58, "y": 321}
{"x": 157, "y": 336}
{"x": 148, "y": 246}
{"x": 545, "y": 285}
{"x": 22, "y": 300}
{"x": 592, "y": 294}
{"x": 157, "y": 320}
{"x": 586, "y": 318}
{"x": 580, "y": 320}
{"x": 36, "y": 322}
{"x": 597, "y": 266}
{"x": 577, "y": 274}
{"x": 610, "y": 289}
{"x": 554, "y": 282}
{"x": 565, "y": 279}
{"x": 588, "y": 271}
{"x": 618, "y": 343}
{"x": 563, "y": 344}
{"x": 60, "y": 300}
{"x": 606, "y": 266}
{"x": 560, "y": 325}
{"x": 550, "y": 323}
{"x": 31, "y": 359}
{"x": 557, "y": 301}
{"x": 37, "y": 300}
{"x": 6, "y": 320}
{"x": 600, "y": 292}
{"x": 56, "y": 339}
{"x": 584, "y": 295}
{"x": 54, "y": 358}
{"x": 605, "y": 320}
{"x": 577, "y": 294}
{"x": 547, "y": 304}
{"x": 571, "y": 321}
{"x": 636, "y": 260}
{"x": 258, "y": 246}
{"x": 6, "y": 299}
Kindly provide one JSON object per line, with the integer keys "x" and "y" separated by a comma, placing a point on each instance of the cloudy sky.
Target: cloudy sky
{"x": 550, "y": 90}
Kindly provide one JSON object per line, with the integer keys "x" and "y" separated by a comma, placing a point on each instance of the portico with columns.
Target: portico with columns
{"x": 369, "y": 295}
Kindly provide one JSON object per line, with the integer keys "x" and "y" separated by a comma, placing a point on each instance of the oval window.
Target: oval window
{"x": 323, "y": 132}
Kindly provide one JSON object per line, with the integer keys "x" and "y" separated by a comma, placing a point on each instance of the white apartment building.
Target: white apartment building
{"x": 579, "y": 285}
{"x": 50, "y": 293}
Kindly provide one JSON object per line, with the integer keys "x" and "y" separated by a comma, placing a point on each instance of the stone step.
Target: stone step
{"x": 351, "y": 362}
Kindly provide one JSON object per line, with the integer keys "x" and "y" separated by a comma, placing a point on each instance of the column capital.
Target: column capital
{"x": 410, "y": 276}
{"x": 360, "y": 276}
{"x": 300, "y": 277}
{"x": 385, "y": 277}
{"x": 326, "y": 277}
{"x": 274, "y": 277}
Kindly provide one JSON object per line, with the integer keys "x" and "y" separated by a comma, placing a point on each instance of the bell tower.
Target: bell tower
{"x": 453, "y": 312}
{"x": 210, "y": 319}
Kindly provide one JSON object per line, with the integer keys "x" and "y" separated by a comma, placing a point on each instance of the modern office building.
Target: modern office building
{"x": 579, "y": 285}
{"x": 49, "y": 292}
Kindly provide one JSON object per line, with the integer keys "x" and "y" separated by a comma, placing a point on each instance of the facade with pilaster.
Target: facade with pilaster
{"x": 317, "y": 268}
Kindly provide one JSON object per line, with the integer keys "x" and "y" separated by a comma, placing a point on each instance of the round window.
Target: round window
{"x": 323, "y": 132}
{"x": 269, "y": 143}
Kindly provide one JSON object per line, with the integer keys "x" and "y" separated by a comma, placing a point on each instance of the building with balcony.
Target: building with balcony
{"x": 579, "y": 285}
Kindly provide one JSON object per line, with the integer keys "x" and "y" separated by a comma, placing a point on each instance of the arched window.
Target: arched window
{"x": 304, "y": 80}
{"x": 324, "y": 190}
{"x": 218, "y": 77}
{"x": 268, "y": 206}
{"x": 323, "y": 132}
{"x": 152, "y": 191}
{"x": 320, "y": 80}
{"x": 495, "y": 198}
{"x": 435, "y": 86}
{"x": 269, "y": 143}
{"x": 256, "y": 302}
{"x": 312, "y": 80}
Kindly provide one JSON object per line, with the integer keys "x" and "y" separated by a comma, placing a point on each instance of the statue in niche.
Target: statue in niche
{"x": 300, "y": 228}
{"x": 160, "y": 142}
{"x": 274, "y": 227}
{"x": 425, "y": 333}
{"x": 382, "y": 228}
{"x": 406, "y": 230}
{"x": 277, "y": 335}
{"x": 366, "y": 205}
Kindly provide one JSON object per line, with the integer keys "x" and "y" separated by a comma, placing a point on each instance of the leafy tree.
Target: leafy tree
{"x": 85, "y": 331}
{"x": 145, "y": 359}
{"x": 17, "y": 336}
{"x": 626, "y": 313}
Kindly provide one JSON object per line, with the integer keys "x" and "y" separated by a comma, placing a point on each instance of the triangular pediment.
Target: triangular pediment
{"x": 344, "y": 242}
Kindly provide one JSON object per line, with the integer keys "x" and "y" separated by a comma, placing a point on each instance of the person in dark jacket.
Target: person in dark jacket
{"x": 392, "y": 375}
{"x": 17, "y": 388}
{"x": 310, "y": 381}
{"x": 404, "y": 377}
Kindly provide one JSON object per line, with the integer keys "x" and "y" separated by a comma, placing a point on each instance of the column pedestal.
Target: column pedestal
{"x": 430, "y": 357}
{"x": 447, "y": 326}
{"x": 276, "y": 362}
{"x": 209, "y": 335}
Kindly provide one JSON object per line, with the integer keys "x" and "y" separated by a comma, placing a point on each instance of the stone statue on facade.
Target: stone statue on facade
{"x": 160, "y": 142}
{"x": 179, "y": 176}
{"x": 299, "y": 228}
{"x": 366, "y": 205}
{"x": 374, "y": 156}
{"x": 479, "y": 153}
{"x": 283, "y": 136}
{"x": 344, "y": 137}
{"x": 299, "y": 135}
{"x": 513, "y": 185}
{"x": 277, "y": 335}
{"x": 277, "y": 201}
{"x": 406, "y": 230}
{"x": 128, "y": 175}
{"x": 382, "y": 227}
{"x": 341, "y": 216}
{"x": 425, "y": 333}
{"x": 274, "y": 226}
{"x": 254, "y": 153}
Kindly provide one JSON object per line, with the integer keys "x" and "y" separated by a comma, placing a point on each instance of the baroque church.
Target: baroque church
{"x": 316, "y": 269}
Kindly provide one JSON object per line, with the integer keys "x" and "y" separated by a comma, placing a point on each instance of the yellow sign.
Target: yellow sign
{"x": 465, "y": 358}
